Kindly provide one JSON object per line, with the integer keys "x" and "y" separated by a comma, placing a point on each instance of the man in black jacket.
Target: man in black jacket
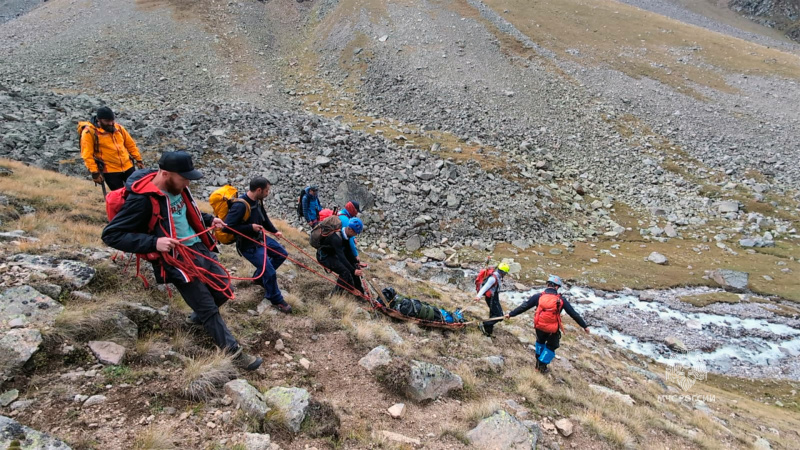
{"x": 254, "y": 227}
{"x": 336, "y": 255}
{"x": 547, "y": 320}
{"x": 177, "y": 218}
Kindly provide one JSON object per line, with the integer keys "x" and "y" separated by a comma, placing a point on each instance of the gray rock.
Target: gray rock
{"x": 657, "y": 258}
{"x": 377, "y": 357}
{"x": 350, "y": 190}
{"x": 731, "y": 279}
{"x": 76, "y": 273}
{"x": 94, "y": 400}
{"x": 761, "y": 444}
{"x": 391, "y": 334}
{"x": 428, "y": 381}
{"x": 397, "y": 410}
{"x": 747, "y": 242}
{"x": 435, "y": 253}
{"x": 8, "y": 397}
{"x": 247, "y": 398}
{"x": 676, "y": 344}
{"x": 565, "y": 427}
{"x": 728, "y": 206}
{"x": 291, "y": 402}
{"x": 502, "y": 431}
{"x": 413, "y": 243}
{"x": 16, "y": 348}
{"x": 107, "y": 353}
{"x": 670, "y": 231}
{"x": 495, "y": 363}
{"x": 27, "y": 438}
{"x": 38, "y": 310}
{"x": 397, "y": 437}
{"x": 624, "y": 398}
{"x": 323, "y": 161}
{"x": 256, "y": 441}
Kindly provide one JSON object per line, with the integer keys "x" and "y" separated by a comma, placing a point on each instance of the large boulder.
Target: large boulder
{"x": 377, "y": 357}
{"x": 428, "y": 381}
{"x": 24, "y": 438}
{"x": 247, "y": 398}
{"x": 24, "y": 302}
{"x": 75, "y": 273}
{"x": 731, "y": 280}
{"x": 16, "y": 348}
{"x": 291, "y": 402}
{"x": 352, "y": 190}
{"x": 413, "y": 243}
{"x": 502, "y": 431}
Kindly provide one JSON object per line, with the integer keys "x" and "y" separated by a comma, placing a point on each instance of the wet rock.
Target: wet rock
{"x": 676, "y": 344}
{"x": 397, "y": 410}
{"x": 624, "y": 398}
{"x": 657, "y": 258}
{"x": 731, "y": 279}
{"x": 428, "y": 381}
{"x": 16, "y": 348}
{"x": 247, "y": 398}
{"x": 291, "y": 402}
{"x": 75, "y": 273}
{"x": 108, "y": 353}
{"x": 377, "y": 357}
{"x": 27, "y": 303}
{"x": 12, "y": 431}
{"x": 503, "y": 431}
{"x": 565, "y": 427}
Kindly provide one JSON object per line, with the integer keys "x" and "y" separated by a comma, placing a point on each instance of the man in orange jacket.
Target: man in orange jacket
{"x": 107, "y": 149}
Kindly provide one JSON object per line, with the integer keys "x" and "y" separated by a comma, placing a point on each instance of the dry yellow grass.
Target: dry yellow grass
{"x": 203, "y": 376}
{"x": 155, "y": 438}
{"x": 644, "y": 44}
{"x": 478, "y": 410}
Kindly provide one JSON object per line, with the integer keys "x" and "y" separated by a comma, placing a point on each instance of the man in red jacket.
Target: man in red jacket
{"x": 178, "y": 218}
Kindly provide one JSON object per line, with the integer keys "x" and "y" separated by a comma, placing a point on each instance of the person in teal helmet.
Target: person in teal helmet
{"x": 335, "y": 254}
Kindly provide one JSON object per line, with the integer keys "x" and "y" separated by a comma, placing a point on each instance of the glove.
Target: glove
{"x": 139, "y": 165}
{"x": 97, "y": 177}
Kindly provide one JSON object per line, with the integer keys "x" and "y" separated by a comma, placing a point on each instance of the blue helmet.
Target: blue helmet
{"x": 555, "y": 279}
{"x": 356, "y": 225}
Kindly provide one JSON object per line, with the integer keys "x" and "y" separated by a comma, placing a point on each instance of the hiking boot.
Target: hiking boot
{"x": 542, "y": 368}
{"x": 283, "y": 307}
{"x": 483, "y": 330}
{"x": 247, "y": 362}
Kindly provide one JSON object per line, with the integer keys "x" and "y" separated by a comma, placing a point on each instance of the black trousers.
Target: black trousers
{"x": 495, "y": 310}
{"x": 205, "y": 302}
{"x": 116, "y": 180}
{"x": 346, "y": 277}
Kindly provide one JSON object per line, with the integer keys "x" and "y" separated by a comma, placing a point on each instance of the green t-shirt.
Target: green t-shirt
{"x": 182, "y": 228}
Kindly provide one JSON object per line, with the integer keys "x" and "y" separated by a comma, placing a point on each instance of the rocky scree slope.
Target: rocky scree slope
{"x": 783, "y": 15}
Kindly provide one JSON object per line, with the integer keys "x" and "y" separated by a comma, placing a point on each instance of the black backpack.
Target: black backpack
{"x": 300, "y": 212}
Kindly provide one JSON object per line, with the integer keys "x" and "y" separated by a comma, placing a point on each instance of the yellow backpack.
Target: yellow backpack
{"x": 221, "y": 201}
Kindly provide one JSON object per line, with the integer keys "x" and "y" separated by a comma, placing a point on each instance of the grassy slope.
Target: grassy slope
{"x": 333, "y": 333}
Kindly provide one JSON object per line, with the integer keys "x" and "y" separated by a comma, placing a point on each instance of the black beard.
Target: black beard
{"x": 109, "y": 128}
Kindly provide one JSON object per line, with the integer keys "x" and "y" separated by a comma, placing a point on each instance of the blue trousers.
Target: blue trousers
{"x": 276, "y": 255}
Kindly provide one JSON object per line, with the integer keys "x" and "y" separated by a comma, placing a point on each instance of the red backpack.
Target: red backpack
{"x": 114, "y": 201}
{"x": 481, "y": 278}
{"x": 548, "y": 313}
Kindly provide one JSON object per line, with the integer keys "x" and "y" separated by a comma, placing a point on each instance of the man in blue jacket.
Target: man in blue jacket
{"x": 311, "y": 205}
{"x": 134, "y": 230}
{"x": 254, "y": 228}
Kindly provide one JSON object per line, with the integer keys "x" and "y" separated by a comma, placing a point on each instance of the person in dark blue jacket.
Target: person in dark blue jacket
{"x": 254, "y": 228}
{"x": 311, "y": 205}
{"x": 351, "y": 209}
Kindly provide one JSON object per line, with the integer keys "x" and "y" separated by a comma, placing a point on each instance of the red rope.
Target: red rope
{"x": 184, "y": 260}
